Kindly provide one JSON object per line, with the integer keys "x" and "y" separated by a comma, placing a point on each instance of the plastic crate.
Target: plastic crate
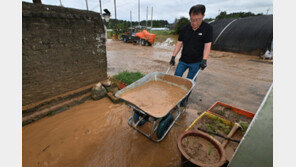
{"x": 210, "y": 115}
{"x": 234, "y": 109}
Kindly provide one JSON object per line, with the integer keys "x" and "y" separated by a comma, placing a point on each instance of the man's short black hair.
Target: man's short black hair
{"x": 197, "y": 9}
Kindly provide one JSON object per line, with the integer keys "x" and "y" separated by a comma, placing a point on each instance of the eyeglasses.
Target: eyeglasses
{"x": 196, "y": 20}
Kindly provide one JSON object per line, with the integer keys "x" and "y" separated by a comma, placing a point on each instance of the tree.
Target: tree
{"x": 207, "y": 20}
{"x": 179, "y": 23}
{"x": 223, "y": 14}
{"x": 37, "y": 2}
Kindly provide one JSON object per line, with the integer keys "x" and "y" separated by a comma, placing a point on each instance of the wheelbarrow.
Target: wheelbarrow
{"x": 161, "y": 123}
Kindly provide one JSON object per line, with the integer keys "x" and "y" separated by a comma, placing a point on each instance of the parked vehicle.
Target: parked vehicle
{"x": 143, "y": 38}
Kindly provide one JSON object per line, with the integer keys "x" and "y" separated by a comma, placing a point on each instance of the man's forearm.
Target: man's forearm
{"x": 207, "y": 50}
{"x": 177, "y": 48}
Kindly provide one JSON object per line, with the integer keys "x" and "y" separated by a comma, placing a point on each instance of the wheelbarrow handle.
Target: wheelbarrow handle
{"x": 195, "y": 75}
{"x": 168, "y": 69}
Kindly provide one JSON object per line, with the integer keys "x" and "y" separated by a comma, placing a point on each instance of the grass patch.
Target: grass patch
{"x": 162, "y": 36}
{"x": 110, "y": 33}
{"x": 109, "y": 36}
{"x": 163, "y": 32}
{"x": 128, "y": 77}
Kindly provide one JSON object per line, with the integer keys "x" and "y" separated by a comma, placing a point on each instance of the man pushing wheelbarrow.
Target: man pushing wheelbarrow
{"x": 196, "y": 39}
{"x": 159, "y": 98}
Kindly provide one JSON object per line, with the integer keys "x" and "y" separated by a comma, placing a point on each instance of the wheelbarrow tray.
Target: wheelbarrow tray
{"x": 183, "y": 83}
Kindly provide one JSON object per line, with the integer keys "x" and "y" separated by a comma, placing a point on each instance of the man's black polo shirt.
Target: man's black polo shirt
{"x": 193, "y": 42}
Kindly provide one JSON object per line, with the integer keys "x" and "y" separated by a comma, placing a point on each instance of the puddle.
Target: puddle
{"x": 96, "y": 133}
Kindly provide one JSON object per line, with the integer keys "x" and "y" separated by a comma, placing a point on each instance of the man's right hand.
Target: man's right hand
{"x": 172, "y": 62}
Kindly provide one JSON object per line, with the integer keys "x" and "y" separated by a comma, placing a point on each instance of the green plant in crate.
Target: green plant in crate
{"x": 244, "y": 126}
{"x": 128, "y": 77}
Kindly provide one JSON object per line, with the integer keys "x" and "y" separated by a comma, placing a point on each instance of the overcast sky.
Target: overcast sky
{"x": 167, "y": 9}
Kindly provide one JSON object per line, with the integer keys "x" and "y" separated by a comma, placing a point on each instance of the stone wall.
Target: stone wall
{"x": 63, "y": 49}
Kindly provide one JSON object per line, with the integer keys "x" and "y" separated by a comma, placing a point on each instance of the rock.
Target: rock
{"x": 112, "y": 88}
{"x": 107, "y": 83}
{"x": 98, "y": 92}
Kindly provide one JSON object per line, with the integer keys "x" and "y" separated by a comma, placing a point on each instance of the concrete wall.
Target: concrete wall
{"x": 63, "y": 49}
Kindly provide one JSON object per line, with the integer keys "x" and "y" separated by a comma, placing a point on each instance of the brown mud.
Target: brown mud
{"x": 230, "y": 115}
{"x": 200, "y": 149}
{"x": 96, "y": 133}
{"x": 156, "y": 98}
{"x": 210, "y": 124}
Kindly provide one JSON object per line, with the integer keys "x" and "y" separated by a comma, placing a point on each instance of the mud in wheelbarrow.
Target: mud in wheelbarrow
{"x": 155, "y": 98}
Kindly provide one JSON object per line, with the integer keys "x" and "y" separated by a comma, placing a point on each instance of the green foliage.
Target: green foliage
{"x": 156, "y": 23}
{"x": 221, "y": 112}
{"x": 123, "y": 25}
{"x": 179, "y": 23}
{"x": 217, "y": 125}
{"x": 244, "y": 126}
{"x": 163, "y": 32}
{"x": 223, "y": 15}
{"x": 128, "y": 77}
{"x": 207, "y": 20}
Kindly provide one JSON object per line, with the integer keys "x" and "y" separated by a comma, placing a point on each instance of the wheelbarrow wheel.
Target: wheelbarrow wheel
{"x": 163, "y": 125}
{"x": 136, "y": 118}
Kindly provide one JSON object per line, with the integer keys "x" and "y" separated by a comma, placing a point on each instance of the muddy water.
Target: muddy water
{"x": 96, "y": 133}
{"x": 155, "y": 97}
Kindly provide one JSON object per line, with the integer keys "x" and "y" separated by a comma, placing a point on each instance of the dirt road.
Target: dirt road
{"x": 230, "y": 78}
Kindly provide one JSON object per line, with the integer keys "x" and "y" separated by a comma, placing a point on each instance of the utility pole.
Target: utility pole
{"x": 151, "y": 17}
{"x": 147, "y": 17}
{"x": 101, "y": 8}
{"x": 139, "y": 12}
{"x": 267, "y": 11}
{"x": 131, "y": 19}
{"x": 61, "y": 3}
{"x": 115, "y": 17}
{"x": 86, "y": 4}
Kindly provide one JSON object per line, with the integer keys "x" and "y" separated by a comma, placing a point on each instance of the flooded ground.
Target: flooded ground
{"x": 96, "y": 133}
{"x": 236, "y": 79}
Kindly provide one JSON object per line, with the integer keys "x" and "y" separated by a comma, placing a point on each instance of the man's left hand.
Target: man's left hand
{"x": 203, "y": 64}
